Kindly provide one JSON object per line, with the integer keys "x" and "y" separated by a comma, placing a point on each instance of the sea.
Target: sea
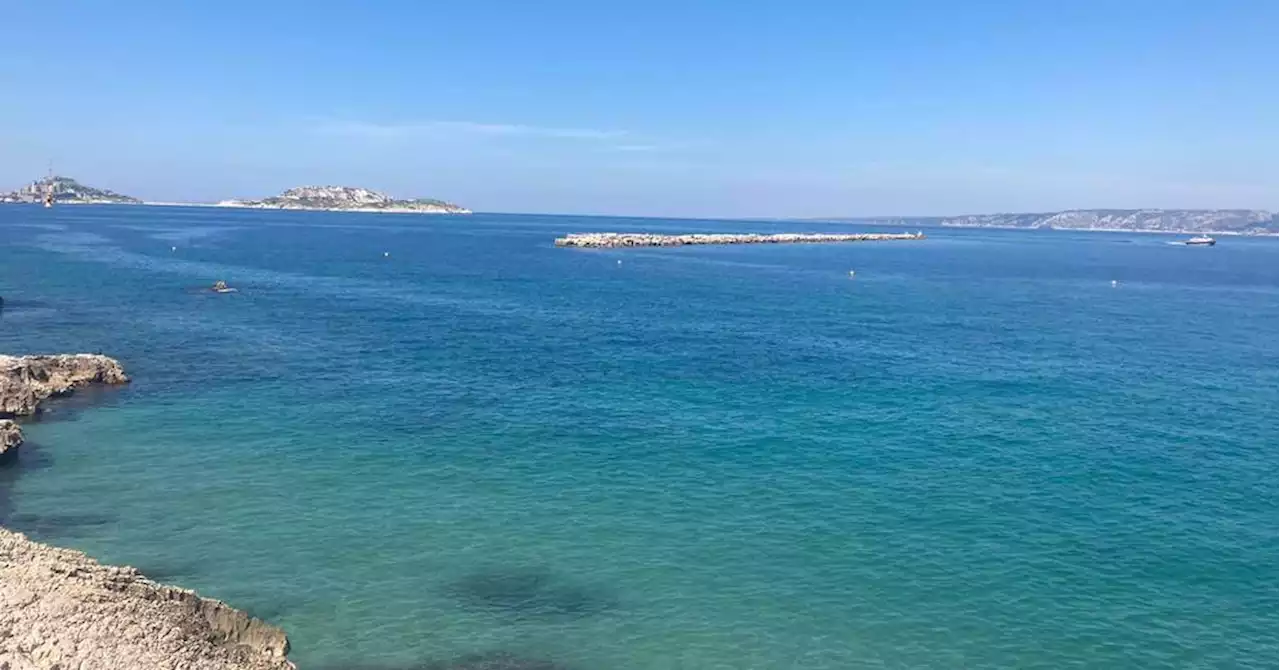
{"x": 442, "y": 442}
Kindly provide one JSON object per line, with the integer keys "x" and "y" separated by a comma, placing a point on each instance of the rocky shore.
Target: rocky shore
{"x": 615, "y": 240}
{"x": 60, "y": 609}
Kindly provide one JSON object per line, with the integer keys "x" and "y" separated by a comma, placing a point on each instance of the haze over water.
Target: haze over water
{"x": 978, "y": 453}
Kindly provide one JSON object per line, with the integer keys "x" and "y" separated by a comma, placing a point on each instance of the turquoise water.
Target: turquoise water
{"x": 978, "y": 453}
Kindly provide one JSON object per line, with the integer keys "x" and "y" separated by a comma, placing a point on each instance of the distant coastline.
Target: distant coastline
{"x": 1173, "y": 221}
{"x": 1237, "y": 222}
{"x": 1228, "y": 233}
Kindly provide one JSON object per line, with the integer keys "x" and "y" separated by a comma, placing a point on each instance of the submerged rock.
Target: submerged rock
{"x": 529, "y": 591}
{"x": 10, "y": 436}
{"x": 496, "y": 661}
{"x": 49, "y": 526}
{"x": 61, "y": 609}
{"x": 26, "y": 381}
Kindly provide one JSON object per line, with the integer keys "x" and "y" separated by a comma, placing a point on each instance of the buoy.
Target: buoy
{"x": 386, "y": 254}
{"x": 619, "y": 262}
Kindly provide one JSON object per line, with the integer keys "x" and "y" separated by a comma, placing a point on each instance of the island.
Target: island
{"x": 1191, "y": 221}
{"x": 616, "y": 240}
{"x": 66, "y": 191}
{"x": 347, "y": 199}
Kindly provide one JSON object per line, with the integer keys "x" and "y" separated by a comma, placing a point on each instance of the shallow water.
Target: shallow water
{"x": 978, "y": 453}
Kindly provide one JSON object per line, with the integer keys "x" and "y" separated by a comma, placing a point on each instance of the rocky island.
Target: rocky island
{"x": 347, "y": 199}
{"x": 67, "y": 191}
{"x": 615, "y": 240}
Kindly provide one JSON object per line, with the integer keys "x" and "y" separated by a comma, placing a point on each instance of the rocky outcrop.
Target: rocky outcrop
{"x": 10, "y": 436}
{"x": 61, "y": 609}
{"x": 612, "y": 240}
{"x": 26, "y": 381}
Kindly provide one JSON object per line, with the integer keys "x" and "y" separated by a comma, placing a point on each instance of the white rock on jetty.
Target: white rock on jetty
{"x": 614, "y": 240}
{"x": 26, "y": 381}
{"x": 60, "y": 609}
{"x": 10, "y": 436}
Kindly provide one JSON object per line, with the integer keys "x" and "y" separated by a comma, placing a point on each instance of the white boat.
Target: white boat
{"x": 1201, "y": 240}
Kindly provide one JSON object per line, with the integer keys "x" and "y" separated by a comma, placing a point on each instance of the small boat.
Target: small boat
{"x": 1201, "y": 241}
{"x": 221, "y": 287}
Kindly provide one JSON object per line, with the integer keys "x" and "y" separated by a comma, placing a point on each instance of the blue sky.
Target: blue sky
{"x": 710, "y": 108}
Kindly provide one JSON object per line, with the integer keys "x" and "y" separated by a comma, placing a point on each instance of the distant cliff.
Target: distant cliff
{"x": 347, "y": 198}
{"x": 1221, "y": 221}
{"x": 67, "y": 191}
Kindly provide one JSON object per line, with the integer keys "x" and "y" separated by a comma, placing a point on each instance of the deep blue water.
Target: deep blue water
{"x": 977, "y": 453}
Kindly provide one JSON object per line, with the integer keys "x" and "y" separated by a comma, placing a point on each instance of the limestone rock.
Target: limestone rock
{"x": 10, "y": 436}
{"x": 26, "y": 381}
{"x": 61, "y": 609}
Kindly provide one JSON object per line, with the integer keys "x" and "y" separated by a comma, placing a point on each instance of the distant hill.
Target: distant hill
{"x": 347, "y": 198}
{"x": 67, "y": 191}
{"x": 1222, "y": 221}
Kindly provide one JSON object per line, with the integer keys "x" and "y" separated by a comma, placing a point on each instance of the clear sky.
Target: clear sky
{"x": 699, "y": 108}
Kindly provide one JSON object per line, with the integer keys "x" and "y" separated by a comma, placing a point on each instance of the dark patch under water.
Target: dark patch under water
{"x": 530, "y": 591}
{"x": 168, "y": 571}
{"x": 496, "y": 661}
{"x": 56, "y": 525}
{"x": 499, "y": 660}
{"x": 12, "y": 304}
{"x": 68, "y": 406}
{"x": 30, "y": 456}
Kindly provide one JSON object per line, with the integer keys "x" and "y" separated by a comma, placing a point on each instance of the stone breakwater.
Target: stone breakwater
{"x": 27, "y": 381}
{"x": 61, "y": 609}
{"x": 616, "y": 240}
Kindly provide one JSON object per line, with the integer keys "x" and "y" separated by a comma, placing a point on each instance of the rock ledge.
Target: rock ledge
{"x": 61, "y": 609}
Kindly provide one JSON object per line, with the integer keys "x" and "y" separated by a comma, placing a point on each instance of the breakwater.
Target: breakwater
{"x": 615, "y": 240}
